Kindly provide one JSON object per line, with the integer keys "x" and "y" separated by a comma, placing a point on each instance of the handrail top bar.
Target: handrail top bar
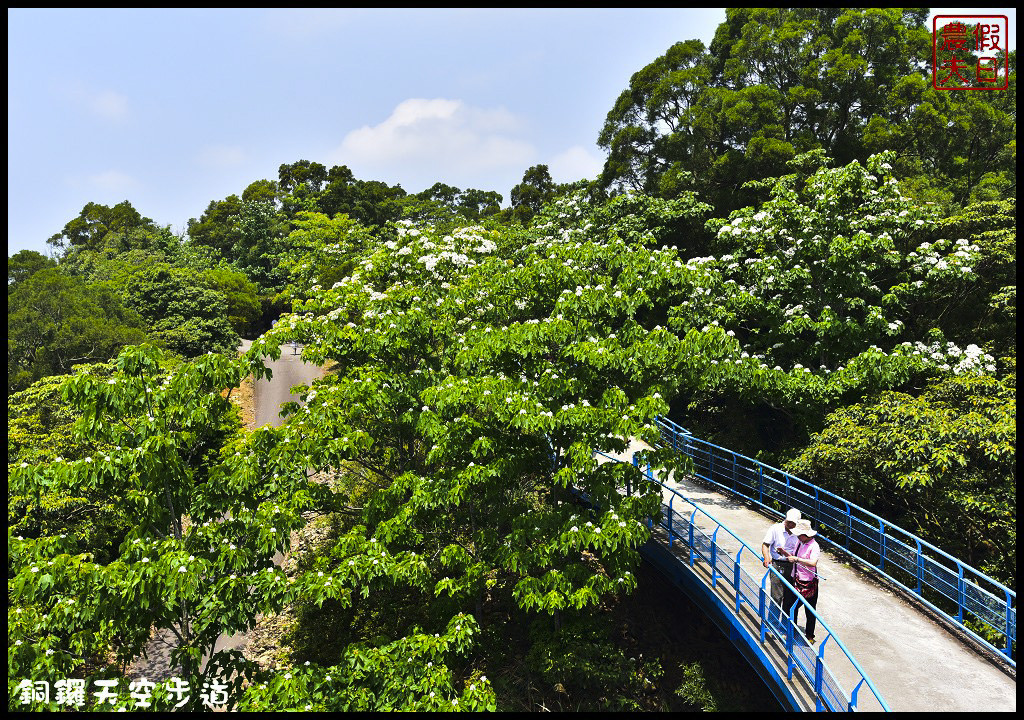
{"x": 666, "y": 421}
{"x": 772, "y": 569}
{"x": 925, "y": 543}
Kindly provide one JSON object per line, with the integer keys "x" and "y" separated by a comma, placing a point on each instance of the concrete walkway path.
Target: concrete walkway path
{"x": 917, "y": 662}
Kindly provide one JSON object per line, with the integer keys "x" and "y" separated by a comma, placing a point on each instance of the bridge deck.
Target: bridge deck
{"x": 915, "y": 661}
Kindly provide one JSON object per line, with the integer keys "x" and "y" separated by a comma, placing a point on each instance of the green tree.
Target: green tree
{"x": 210, "y": 510}
{"x": 217, "y": 227}
{"x": 187, "y": 317}
{"x": 198, "y": 541}
{"x": 40, "y": 429}
{"x": 337, "y": 196}
{"x": 258, "y": 247}
{"x": 976, "y": 303}
{"x": 476, "y": 204}
{"x": 311, "y": 174}
{"x": 265, "y": 191}
{"x": 242, "y": 296}
{"x": 39, "y": 424}
{"x": 23, "y": 264}
{"x": 442, "y": 203}
{"x": 98, "y": 226}
{"x": 651, "y": 131}
{"x": 942, "y": 465}
{"x": 55, "y": 321}
{"x": 527, "y": 197}
{"x": 840, "y": 286}
{"x": 778, "y": 82}
{"x": 310, "y": 187}
{"x": 371, "y": 202}
{"x": 321, "y": 252}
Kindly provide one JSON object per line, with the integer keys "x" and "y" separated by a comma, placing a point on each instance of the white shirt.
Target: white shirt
{"x": 781, "y": 543}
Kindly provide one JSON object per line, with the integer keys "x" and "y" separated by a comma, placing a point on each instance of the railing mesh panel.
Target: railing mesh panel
{"x": 872, "y": 540}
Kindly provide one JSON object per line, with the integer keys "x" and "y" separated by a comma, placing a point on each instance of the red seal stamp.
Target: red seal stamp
{"x": 970, "y": 52}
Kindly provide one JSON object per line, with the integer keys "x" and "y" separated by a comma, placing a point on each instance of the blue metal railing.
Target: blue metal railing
{"x": 753, "y": 597}
{"x": 958, "y": 592}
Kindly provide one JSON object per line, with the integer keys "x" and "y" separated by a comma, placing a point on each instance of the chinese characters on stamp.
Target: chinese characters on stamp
{"x": 970, "y": 52}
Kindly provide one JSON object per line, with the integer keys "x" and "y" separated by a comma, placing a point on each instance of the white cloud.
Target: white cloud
{"x": 106, "y": 104}
{"x": 447, "y": 137}
{"x": 220, "y": 156}
{"x": 109, "y": 104}
{"x": 576, "y": 163}
{"x": 303, "y": 24}
{"x": 112, "y": 181}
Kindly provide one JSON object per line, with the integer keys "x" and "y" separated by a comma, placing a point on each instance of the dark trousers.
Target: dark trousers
{"x": 788, "y": 598}
{"x": 780, "y": 593}
{"x": 812, "y": 621}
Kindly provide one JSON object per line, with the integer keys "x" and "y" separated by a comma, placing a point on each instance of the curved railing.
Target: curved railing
{"x": 751, "y": 597}
{"x": 958, "y": 592}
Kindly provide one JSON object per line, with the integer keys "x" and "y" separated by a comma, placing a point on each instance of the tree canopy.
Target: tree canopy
{"x": 778, "y": 82}
{"x": 797, "y": 248}
{"x": 55, "y": 321}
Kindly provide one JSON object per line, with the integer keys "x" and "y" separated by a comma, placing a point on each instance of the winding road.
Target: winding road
{"x": 288, "y": 371}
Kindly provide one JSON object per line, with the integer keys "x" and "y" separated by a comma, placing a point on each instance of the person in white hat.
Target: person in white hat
{"x": 779, "y": 543}
{"x": 805, "y": 576}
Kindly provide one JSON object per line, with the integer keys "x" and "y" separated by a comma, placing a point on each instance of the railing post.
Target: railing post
{"x": 960, "y": 593}
{"x": 760, "y": 484}
{"x": 849, "y": 525}
{"x": 670, "y": 501}
{"x": 736, "y": 579}
{"x": 791, "y": 661}
{"x": 853, "y": 695}
{"x": 1008, "y": 651}
{"x": 692, "y": 517}
{"x": 762, "y": 607}
{"x": 734, "y": 473}
{"x": 818, "y": 674}
{"x": 881, "y": 546}
{"x": 920, "y": 565}
{"x": 714, "y": 557}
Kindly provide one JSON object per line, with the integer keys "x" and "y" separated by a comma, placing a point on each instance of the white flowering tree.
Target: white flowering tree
{"x": 825, "y": 268}
{"x": 942, "y": 464}
{"x": 472, "y": 390}
{"x": 475, "y": 373}
{"x": 849, "y": 289}
{"x": 207, "y": 522}
{"x": 824, "y": 288}
{"x": 472, "y": 374}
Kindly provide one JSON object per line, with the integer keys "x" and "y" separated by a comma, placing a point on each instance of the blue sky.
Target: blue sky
{"x": 171, "y": 109}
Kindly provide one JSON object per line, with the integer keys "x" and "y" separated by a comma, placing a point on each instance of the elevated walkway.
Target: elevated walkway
{"x": 879, "y": 647}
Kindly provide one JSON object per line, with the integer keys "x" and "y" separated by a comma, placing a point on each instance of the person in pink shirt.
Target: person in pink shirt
{"x": 805, "y": 572}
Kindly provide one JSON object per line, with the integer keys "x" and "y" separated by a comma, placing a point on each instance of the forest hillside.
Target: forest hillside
{"x": 798, "y": 249}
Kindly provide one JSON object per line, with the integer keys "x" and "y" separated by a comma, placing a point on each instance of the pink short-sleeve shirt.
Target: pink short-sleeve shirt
{"x": 808, "y": 551}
